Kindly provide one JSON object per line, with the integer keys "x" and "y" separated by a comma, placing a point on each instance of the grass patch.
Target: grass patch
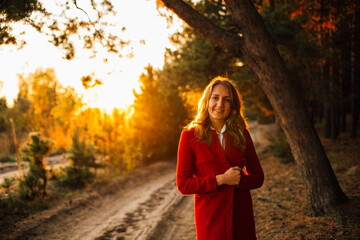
{"x": 286, "y": 197}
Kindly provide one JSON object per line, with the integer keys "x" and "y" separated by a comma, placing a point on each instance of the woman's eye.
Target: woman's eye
{"x": 216, "y": 98}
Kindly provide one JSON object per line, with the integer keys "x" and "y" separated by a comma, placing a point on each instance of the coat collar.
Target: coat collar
{"x": 223, "y": 129}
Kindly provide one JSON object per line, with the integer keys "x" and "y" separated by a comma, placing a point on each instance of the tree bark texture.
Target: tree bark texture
{"x": 255, "y": 47}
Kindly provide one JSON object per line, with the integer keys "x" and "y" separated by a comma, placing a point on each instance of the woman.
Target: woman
{"x": 217, "y": 162}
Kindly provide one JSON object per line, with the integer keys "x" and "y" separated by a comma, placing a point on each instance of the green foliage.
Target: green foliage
{"x": 43, "y": 88}
{"x": 5, "y": 159}
{"x": 111, "y": 139}
{"x": 45, "y": 106}
{"x": 16, "y": 10}
{"x": 13, "y": 11}
{"x": 282, "y": 29}
{"x": 256, "y": 105}
{"x": 82, "y": 158}
{"x": 281, "y": 148}
{"x": 3, "y": 104}
{"x": 158, "y": 117}
{"x": 19, "y": 113}
{"x": 67, "y": 102}
{"x": 61, "y": 26}
{"x": 13, "y": 203}
{"x": 195, "y": 62}
{"x": 33, "y": 185}
{"x": 7, "y": 184}
{"x": 3, "y": 112}
{"x": 81, "y": 152}
{"x": 74, "y": 178}
{"x": 300, "y": 53}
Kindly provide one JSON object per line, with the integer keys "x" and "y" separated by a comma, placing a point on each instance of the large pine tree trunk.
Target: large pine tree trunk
{"x": 255, "y": 46}
{"x": 261, "y": 54}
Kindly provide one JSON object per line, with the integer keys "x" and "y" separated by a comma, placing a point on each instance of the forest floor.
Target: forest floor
{"x": 281, "y": 208}
{"x": 147, "y": 205}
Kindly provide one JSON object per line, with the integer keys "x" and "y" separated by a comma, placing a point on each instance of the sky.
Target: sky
{"x": 119, "y": 75}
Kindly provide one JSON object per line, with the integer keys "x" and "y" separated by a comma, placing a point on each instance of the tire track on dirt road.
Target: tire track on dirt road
{"x": 143, "y": 221}
{"x": 178, "y": 223}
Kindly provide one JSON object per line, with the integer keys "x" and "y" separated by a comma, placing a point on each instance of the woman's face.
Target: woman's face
{"x": 219, "y": 103}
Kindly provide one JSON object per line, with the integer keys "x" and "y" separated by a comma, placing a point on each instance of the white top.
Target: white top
{"x": 221, "y": 136}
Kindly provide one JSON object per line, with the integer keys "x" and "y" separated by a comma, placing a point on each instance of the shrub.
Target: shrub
{"x": 10, "y": 202}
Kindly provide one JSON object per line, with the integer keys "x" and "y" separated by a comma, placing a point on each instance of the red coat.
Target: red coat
{"x": 223, "y": 212}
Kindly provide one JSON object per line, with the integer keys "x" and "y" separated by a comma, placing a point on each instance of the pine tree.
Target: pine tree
{"x": 82, "y": 159}
{"x": 34, "y": 183}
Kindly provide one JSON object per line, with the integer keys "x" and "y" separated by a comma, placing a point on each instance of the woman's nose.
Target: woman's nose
{"x": 221, "y": 102}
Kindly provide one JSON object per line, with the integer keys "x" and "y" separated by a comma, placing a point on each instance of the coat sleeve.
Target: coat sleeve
{"x": 187, "y": 182}
{"x": 255, "y": 175}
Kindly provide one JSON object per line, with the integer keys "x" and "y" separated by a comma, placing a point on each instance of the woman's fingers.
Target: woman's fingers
{"x": 233, "y": 175}
{"x": 236, "y": 168}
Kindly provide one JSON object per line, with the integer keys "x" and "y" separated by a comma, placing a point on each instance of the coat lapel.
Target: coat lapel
{"x": 228, "y": 145}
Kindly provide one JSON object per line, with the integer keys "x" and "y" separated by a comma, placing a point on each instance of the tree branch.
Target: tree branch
{"x": 75, "y": 3}
{"x": 217, "y": 35}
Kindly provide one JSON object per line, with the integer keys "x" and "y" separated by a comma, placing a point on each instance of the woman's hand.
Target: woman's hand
{"x": 230, "y": 177}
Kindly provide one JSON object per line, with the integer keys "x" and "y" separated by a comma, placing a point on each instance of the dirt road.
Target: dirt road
{"x": 130, "y": 210}
{"x": 147, "y": 206}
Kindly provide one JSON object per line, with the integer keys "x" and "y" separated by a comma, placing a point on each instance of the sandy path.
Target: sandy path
{"x": 141, "y": 221}
{"x": 130, "y": 212}
{"x": 178, "y": 223}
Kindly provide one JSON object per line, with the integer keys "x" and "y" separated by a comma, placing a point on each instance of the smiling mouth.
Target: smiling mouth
{"x": 219, "y": 110}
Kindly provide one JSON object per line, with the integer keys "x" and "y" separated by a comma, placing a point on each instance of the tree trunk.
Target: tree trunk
{"x": 257, "y": 49}
{"x": 335, "y": 122}
{"x": 343, "y": 90}
{"x": 320, "y": 110}
{"x": 272, "y": 5}
{"x": 333, "y": 92}
{"x": 355, "y": 79}
{"x": 327, "y": 121}
{"x": 262, "y": 55}
{"x": 11, "y": 142}
{"x": 326, "y": 75}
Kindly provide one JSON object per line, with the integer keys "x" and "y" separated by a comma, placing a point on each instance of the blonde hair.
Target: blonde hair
{"x": 235, "y": 121}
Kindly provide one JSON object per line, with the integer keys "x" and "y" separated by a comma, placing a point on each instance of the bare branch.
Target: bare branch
{"x": 75, "y": 3}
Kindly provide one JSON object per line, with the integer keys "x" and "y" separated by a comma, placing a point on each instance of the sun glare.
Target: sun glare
{"x": 147, "y": 31}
